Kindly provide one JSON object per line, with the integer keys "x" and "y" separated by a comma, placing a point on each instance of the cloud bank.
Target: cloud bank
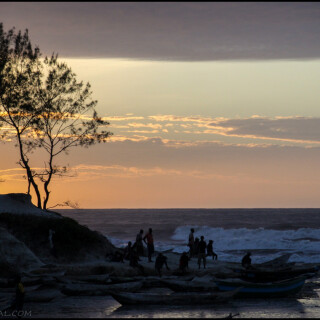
{"x": 294, "y": 129}
{"x": 171, "y": 31}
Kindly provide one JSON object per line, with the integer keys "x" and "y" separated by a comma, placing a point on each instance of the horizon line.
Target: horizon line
{"x": 190, "y": 208}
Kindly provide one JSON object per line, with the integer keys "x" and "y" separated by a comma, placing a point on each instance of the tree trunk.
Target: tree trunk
{"x": 45, "y": 202}
{"x": 46, "y": 184}
{"x": 29, "y": 173}
{"x": 29, "y": 185}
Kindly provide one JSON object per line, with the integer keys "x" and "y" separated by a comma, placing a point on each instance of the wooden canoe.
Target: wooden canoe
{"x": 186, "y": 298}
{"x": 264, "y": 275}
{"x": 262, "y": 290}
{"x": 99, "y": 289}
{"x": 277, "y": 262}
{"x": 42, "y": 295}
{"x": 189, "y": 286}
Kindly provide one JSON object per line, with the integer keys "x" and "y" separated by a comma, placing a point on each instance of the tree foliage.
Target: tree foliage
{"x": 18, "y": 111}
{"x": 45, "y": 107}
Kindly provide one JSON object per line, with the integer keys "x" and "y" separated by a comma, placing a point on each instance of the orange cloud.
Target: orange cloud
{"x": 145, "y": 125}
{"x": 121, "y": 118}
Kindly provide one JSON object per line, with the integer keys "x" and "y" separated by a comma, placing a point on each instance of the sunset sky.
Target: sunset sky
{"x": 212, "y": 105}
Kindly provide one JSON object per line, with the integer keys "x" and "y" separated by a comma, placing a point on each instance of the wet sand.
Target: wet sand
{"x": 107, "y": 307}
{"x": 305, "y": 305}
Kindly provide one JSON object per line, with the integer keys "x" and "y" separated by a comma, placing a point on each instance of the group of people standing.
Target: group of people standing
{"x": 135, "y": 251}
{"x": 148, "y": 240}
{"x": 200, "y": 248}
{"x": 197, "y": 248}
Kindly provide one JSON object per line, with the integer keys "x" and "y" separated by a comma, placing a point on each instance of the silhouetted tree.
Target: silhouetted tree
{"x": 5, "y": 40}
{"x": 68, "y": 118}
{"x": 47, "y": 108}
{"x": 19, "y": 72}
{"x": 5, "y": 48}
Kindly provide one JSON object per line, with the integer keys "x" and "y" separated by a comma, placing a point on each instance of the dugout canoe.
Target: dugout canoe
{"x": 42, "y": 295}
{"x": 190, "y": 286}
{"x": 185, "y": 298}
{"x": 277, "y": 262}
{"x": 275, "y": 289}
{"x": 260, "y": 275}
{"x": 99, "y": 289}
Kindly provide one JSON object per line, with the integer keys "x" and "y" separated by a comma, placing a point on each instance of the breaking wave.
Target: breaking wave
{"x": 231, "y": 244}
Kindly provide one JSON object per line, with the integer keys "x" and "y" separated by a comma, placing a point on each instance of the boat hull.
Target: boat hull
{"x": 256, "y": 275}
{"x": 197, "y": 298}
{"x": 189, "y": 286}
{"x": 263, "y": 290}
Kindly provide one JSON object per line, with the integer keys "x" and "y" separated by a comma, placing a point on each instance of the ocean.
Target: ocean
{"x": 267, "y": 233}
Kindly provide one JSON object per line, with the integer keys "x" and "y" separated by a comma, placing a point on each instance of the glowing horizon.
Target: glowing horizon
{"x": 193, "y": 134}
{"x": 211, "y": 104}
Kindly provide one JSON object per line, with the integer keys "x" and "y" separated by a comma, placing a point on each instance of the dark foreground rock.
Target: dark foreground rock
{"x": 25, "y": 244}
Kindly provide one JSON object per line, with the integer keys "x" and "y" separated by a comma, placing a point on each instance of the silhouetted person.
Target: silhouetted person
{"x": 17, "y": 303}
{"x": 246, "y": 261}
{"x": 184, "y": 262}
{"x": 139, "y": 244}
{"x": 191, "y": 242}
{"x": 134, "y": 261}
{"x": 116, "y": 257}
{"x": 202, "y": 252}
{"x": 210, "y": 251}
{"x": 128, "y": 251}
{"x": 160, "y": 261}
{"x": 196, "y": 247}
{"x": 52, "y": 246}
{"x": 149, "y": 244}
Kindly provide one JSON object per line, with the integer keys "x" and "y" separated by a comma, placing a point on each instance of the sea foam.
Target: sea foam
{"x": 303, "y": 243}
{"x": 231, "y": 244}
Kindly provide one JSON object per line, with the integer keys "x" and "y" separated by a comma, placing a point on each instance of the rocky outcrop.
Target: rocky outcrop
{"x": 15, "y": 256}
{"x": 73, "y": 242}
{"x": 24, "y": 237}
{"x": 20, "y": 203}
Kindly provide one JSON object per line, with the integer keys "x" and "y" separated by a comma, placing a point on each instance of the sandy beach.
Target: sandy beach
{"x": 90, "y": 303}
{"x": 79, "y": 281}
